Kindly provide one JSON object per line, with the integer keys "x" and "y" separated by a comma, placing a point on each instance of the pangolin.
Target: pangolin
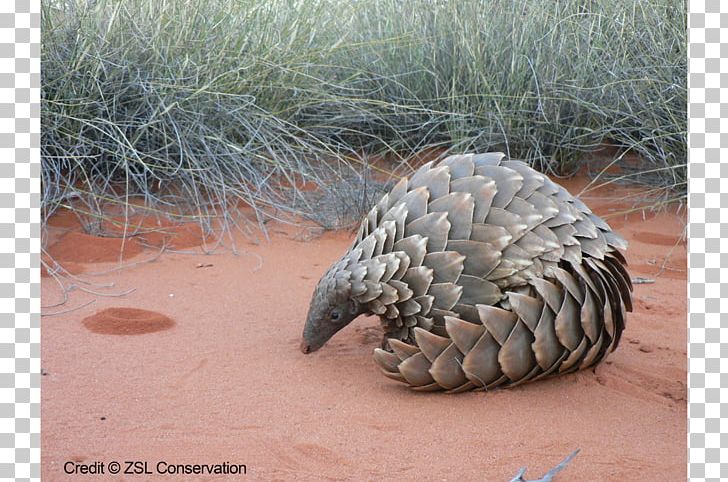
{"x": 484, "y": 273}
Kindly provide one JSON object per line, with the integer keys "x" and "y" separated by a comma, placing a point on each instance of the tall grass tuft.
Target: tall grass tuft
{"x": 202, "y": 104}
{"x": 547, "y": 81}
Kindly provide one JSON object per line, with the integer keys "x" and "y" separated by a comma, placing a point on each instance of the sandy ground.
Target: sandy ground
{"x": 214, "y": 373}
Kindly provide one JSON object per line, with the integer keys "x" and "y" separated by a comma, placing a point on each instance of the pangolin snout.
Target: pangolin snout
{"x": 309, "y": 346}
{"x": 309, "y": 341}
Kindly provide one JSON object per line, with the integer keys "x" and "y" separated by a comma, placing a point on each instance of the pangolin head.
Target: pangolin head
{"x": 331, "y": 309}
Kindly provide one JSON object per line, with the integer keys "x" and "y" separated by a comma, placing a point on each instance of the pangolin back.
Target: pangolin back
{"x": 486, "y": 273}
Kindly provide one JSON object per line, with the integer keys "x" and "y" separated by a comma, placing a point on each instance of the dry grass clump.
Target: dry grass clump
{"x": 201, "y": 105}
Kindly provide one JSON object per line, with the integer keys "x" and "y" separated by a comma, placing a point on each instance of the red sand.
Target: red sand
{"x": 74, "y": 249}
{"x": 228, "y": 383}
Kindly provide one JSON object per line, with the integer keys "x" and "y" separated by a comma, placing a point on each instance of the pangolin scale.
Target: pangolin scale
{"x": 484, "y": 273}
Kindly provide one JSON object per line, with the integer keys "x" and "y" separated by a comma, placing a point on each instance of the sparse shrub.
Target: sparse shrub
{"x": 199, "y": 105}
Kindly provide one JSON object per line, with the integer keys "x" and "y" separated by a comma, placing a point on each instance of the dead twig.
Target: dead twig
{"x": 63, "y": 312}
{"x": 549, "y": 476}
{"x": 97, "y": 293}
{"x": 653, "y": 262}
{"x": 68, "y": 282}
{"x": 669, "y": 253}
{"x": 151, "y": 259}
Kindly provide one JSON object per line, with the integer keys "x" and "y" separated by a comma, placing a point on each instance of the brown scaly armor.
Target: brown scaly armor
{"x": 484, "y": 273}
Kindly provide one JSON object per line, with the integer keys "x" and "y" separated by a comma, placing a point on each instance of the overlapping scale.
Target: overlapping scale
{"x": 486, "y": 273}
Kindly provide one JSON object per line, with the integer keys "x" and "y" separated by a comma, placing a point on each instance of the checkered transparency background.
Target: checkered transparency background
{"x": 20, "y": 232}
{"x": 20, "y": 239}
{"x": 708, "y": 38}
